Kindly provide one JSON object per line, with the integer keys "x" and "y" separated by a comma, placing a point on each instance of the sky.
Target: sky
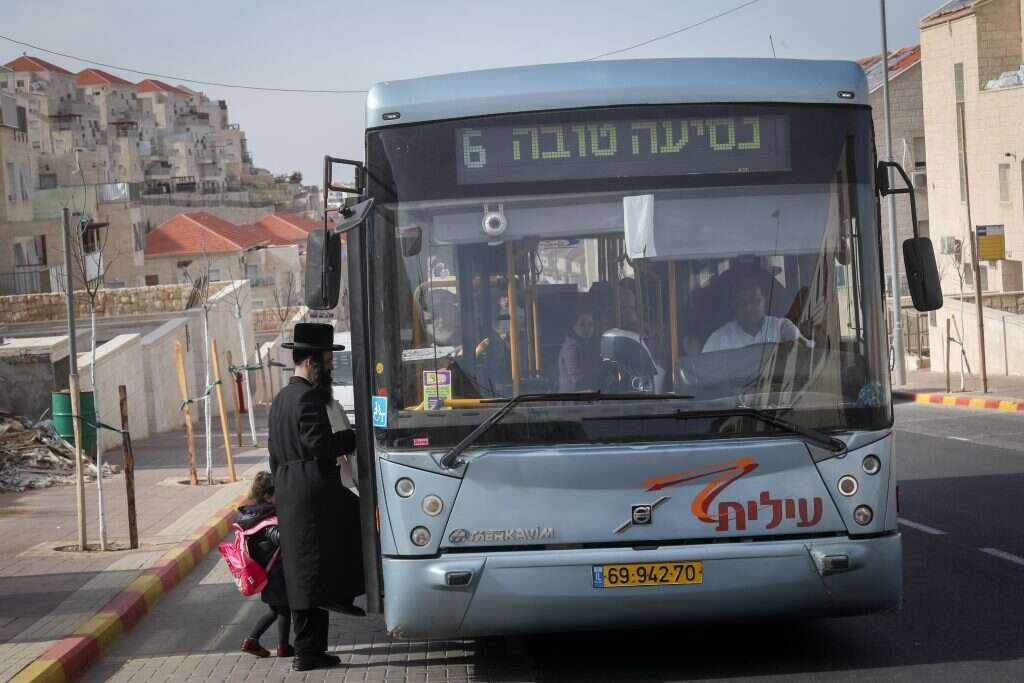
{"x": 324, "y": 44}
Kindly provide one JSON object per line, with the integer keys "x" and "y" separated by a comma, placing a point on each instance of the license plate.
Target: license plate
{"x": 648, "y": 574}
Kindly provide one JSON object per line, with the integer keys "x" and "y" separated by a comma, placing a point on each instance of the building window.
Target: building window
{"x": 919, "y": 153}
{"x": 214, "y": 275}
{"x": 1004, "y": 183}
{"x": 251, "y": 272}
{"x": 20, "y": 84}
{"x": 152, "y": 280}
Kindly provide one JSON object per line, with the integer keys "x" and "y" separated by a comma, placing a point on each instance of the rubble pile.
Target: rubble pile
{"x": 34, "y": 456}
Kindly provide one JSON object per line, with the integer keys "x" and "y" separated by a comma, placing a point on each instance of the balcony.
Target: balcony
{"x": 25, "y": 280}
{"x": 262, "y": 281}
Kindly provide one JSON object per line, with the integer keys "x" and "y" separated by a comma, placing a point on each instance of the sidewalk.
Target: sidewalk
{"x": 1005, "y": 393}
{"x": 46, "y": 594}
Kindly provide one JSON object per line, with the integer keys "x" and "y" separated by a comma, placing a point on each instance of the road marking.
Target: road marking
{"x": 959, "y": 438}
{"x": 922, "y": 527}
{"x": 1003, "y": 555}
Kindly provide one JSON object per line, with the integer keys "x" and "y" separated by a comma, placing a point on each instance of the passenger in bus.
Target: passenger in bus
{"x": 750, "y": 325}
{"x": 579, "y": 360}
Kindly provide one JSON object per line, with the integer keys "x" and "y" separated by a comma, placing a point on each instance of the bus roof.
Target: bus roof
{"x": 611, "y": 83}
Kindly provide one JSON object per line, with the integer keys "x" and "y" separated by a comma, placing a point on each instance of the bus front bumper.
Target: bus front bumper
{"x": 553, "y": 590}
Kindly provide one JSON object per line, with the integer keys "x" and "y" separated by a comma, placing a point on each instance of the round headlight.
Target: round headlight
{"x": 420, "y": 536}
{"x": 863, "y": 515}
{"x": 404, "y": 487}
{"x": 432, "y": 505}
{"x": 871, "y": 464}
{"x": 848, "y": 485}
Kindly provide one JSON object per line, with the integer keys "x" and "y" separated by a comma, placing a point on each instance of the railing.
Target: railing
{"x": 262, "y": 281}
{"x": 26, "y": 280}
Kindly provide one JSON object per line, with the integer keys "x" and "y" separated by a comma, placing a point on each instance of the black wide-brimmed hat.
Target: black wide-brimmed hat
{"x": 313, "y": 337}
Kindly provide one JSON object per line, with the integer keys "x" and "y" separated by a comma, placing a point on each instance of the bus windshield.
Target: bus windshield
{"x": 727, "y": 254}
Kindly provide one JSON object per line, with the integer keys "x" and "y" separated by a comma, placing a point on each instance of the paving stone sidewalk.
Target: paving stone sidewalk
{"x": 45, "y": 594}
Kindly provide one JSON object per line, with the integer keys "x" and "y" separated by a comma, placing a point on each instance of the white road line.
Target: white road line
{"x": 1003, "y": 555}
{"x": 959, "y": 438}
{"x": 922, "y": 527}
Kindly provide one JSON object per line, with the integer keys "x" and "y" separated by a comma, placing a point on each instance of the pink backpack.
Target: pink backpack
{"x": 249, "y": 575}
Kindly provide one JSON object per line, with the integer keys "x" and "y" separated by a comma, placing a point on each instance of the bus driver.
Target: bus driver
{"x": 750, "y": 325}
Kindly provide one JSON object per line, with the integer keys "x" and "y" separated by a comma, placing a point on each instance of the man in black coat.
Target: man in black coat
{"x": 319, "y": 522}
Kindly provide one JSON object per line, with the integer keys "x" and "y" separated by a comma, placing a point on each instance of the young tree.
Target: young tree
{"x": 237, "y": 301}
{"x": 201, "y": 293}
{"x": 955, "y": 261}
{"x": 91, "y": 260}
{"x": 286, "y": 299}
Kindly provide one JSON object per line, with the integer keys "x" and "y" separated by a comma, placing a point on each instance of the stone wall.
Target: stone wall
{"x": 269, "y": 319}
{"x": 128, "y": 301}
{"x": 26, "y": 383}
{"x": 119, "y": 361}
{"x": 1004, "y": 340}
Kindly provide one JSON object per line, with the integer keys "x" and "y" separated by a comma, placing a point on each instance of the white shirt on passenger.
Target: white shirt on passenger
{"x": 773, "y": 330}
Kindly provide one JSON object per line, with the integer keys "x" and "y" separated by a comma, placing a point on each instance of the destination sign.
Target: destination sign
{"x": 622, "y": 149}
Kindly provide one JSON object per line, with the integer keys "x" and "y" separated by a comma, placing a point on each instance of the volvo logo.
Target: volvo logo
{"x": 641, "y": 515}
{"x": 458, "y": 536}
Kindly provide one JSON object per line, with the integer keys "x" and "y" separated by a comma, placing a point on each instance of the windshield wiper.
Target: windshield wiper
{"x": 809, "y": 433}
{"x": 449, "y": 459}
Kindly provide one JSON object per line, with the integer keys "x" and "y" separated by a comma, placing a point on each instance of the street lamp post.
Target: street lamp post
{"x": 899, "y": 367}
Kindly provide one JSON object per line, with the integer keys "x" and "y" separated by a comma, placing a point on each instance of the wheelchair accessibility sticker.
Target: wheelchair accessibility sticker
{"x": 380, "y": 411}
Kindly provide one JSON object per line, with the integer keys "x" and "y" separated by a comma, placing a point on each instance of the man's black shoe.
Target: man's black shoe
{"x": 320, "y": 661}
{"x": 348, "y": 609}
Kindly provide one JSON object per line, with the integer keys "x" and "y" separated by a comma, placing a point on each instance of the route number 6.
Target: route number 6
{"x": 473, "y": 156}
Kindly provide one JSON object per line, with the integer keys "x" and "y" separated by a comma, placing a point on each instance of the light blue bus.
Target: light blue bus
{"x": 620, "y": 350}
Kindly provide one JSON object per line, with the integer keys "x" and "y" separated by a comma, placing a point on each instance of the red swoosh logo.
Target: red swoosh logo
{"x": 726, "y": 472}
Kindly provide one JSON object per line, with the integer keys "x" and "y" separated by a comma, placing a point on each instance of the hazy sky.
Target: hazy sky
{"x": 323, "y": 44}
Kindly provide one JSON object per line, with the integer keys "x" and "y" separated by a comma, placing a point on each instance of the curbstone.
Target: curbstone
{"x": 952, "y": 401}
{"x": 71, "y": 656}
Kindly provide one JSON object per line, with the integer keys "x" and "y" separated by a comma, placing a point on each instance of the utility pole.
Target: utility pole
{"x": 899, "y": 366}
{"x": 971, "y": 234}
{"x": 76, "y": 414}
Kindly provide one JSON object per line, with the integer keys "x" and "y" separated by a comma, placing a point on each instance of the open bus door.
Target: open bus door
{"x": 322, "y": 291}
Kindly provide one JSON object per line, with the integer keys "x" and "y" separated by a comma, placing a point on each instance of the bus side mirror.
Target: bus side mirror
{"x": 323, "y": 269}
{"x": 922, "y": 274}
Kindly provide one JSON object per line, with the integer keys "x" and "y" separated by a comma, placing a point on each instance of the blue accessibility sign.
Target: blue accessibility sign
{"x": 380, "y": 411}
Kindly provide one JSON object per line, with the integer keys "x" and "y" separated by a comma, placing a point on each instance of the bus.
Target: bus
{"x": 620, "y": 355}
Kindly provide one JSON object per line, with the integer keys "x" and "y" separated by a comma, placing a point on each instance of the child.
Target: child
{"x": 262, "y": 546}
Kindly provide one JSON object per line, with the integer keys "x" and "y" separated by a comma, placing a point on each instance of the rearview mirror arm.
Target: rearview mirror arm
{"x": 884, "y": 189}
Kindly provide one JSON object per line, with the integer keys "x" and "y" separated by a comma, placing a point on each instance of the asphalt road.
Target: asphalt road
{"x": 962, "y": 477}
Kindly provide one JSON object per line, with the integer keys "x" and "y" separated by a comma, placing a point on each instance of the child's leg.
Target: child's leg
{"x": 284, "y": 625}
{"x": 263, "y": 624}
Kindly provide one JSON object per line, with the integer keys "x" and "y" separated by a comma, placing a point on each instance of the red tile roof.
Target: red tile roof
{"x": 153, "y": 85}
{"x": 950, "y": 8}
{"x": 899, "y": 61}
{"x": 97, "y": 77}
{"x": 199, "y": 232}
{"x": 28, "y": 63}
{"x": 288, "y": 227}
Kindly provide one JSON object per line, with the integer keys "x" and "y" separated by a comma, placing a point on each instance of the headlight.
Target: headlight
{"x": 863, "y": 515}
{"x": 432, "y": 505}
{"x": 871, "y": 464}
{"x": 420, "y": 536}
{"x": 848, "y": 485}
{"x": 405, "y": 487}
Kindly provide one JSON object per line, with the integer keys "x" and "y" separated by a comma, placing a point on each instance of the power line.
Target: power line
{"x": 182, "y": 78}
{"x": 672, "y": 33}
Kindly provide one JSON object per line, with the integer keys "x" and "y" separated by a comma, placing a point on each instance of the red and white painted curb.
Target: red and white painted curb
{"x": 70, "y": 657}
{"x": 950, "y": 400}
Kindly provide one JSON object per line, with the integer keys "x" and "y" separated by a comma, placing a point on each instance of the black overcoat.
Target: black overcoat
{"x": 318, "y": 517}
